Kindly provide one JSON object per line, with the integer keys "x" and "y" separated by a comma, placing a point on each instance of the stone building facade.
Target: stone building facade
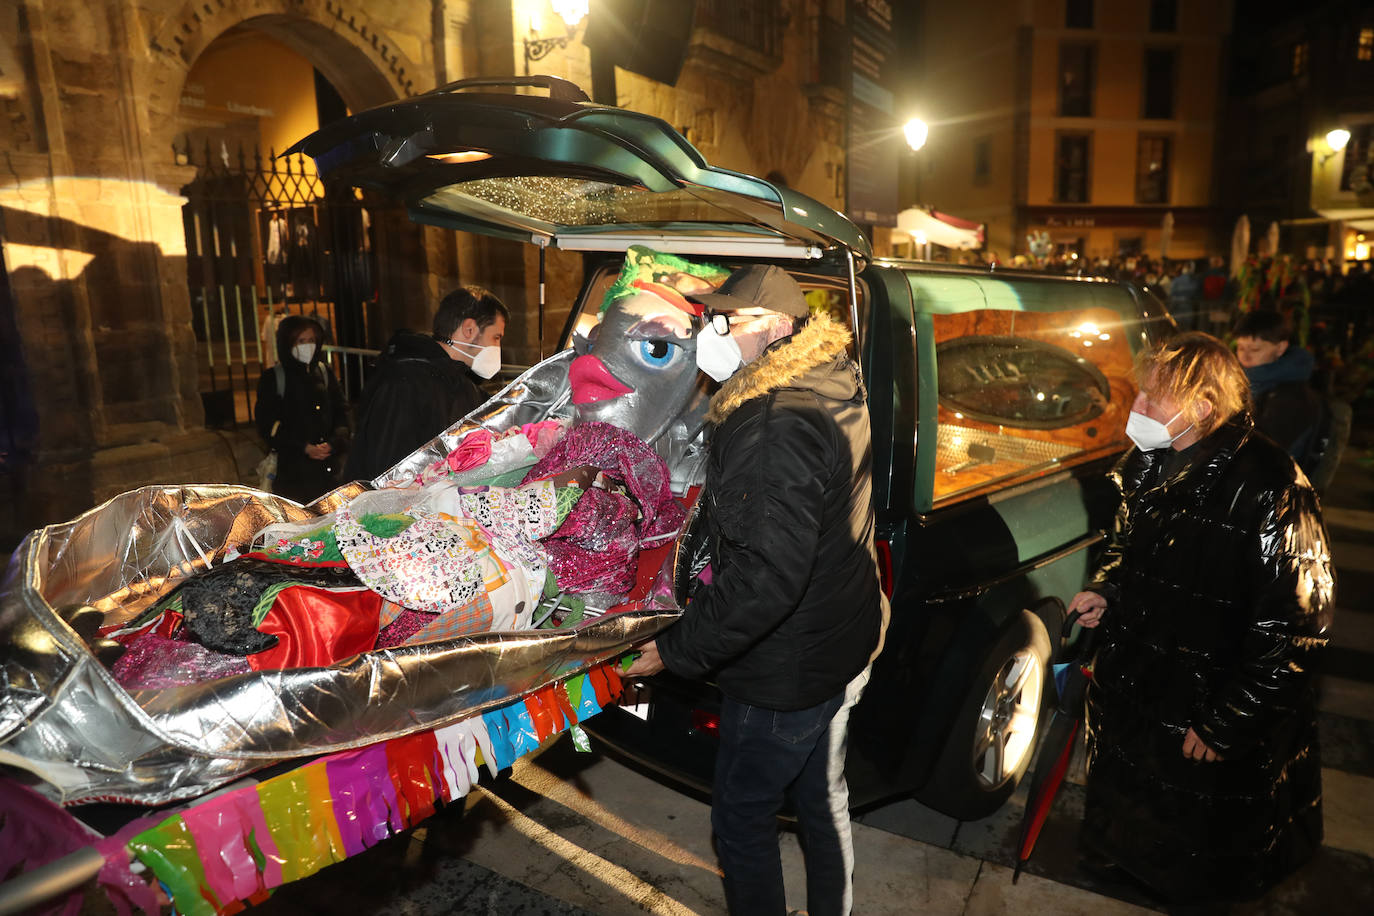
{"x": 106, "y": 364}
{"x": 1086, "y": 122}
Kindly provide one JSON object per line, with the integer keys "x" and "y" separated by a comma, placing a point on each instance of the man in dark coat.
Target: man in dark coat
{"x": 1287, "y": 408}
{"x": 300, "y": 412}
{"x": 423, "y": 384}
{"x": 1214, "y": 597}
{"x": 793, "y": 613}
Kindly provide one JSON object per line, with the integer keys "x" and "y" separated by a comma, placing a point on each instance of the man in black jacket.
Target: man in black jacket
{"x": 1287, "y": 408}
{"x": 424, "y": 384}
{"x": 790, "y": 613}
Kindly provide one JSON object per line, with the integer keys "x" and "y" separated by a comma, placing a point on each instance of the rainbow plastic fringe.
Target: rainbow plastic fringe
{"x": 233, "y": 848}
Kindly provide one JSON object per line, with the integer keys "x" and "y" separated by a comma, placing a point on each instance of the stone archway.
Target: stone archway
{"x": 368, "y": 62}
{"x": 264, "y": 235}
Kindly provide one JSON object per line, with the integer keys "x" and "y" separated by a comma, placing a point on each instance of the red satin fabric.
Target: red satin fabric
{"x": 317, "y": 627}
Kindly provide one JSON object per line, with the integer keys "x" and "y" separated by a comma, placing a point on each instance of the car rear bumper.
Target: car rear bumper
{"x": 671, "y": 734}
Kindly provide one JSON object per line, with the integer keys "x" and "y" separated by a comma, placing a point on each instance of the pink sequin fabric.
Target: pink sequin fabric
{"x": 400, "y": 630}
{"x": 154, "y": 661}
{"x": 597, "y": 546}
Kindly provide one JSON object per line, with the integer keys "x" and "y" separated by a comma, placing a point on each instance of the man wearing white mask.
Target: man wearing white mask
{"x": 790, "y": 614}
{"x": 424, "y": 383}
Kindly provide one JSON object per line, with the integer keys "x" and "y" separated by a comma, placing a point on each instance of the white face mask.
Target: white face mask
{"x": 304, "y": 352}
{"x": 718, "y": 355}
{"x": 486, "y": 363}
{"x": 1149, "y": 434}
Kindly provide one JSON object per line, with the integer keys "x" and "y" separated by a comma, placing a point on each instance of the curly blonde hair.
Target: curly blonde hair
{"x": 1193, "y": 367}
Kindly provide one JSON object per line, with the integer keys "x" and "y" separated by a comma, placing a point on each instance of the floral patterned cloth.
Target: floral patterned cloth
{"x": 515, "y": 519}
{"x": 430, "y": 566}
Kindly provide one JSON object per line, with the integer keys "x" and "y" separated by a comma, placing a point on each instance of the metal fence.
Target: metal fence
{"x": 265, "y": 237}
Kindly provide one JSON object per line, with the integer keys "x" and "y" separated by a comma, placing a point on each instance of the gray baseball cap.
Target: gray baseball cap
{"x": 757, "y": 286}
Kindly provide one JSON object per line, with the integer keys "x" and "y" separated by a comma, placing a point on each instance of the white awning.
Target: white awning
{"x": 940, "y": 229}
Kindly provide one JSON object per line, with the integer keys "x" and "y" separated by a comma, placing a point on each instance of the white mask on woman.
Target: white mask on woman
{"x": 304, "y": 352}
{"x": 487, "y": 361}
{"x": 1149, "y": 434}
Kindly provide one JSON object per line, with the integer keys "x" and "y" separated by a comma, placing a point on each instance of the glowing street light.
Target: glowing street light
{"x": 571, "y": 11}
{"x": 916, "y": 132}
{"x": 1337, "y": 139}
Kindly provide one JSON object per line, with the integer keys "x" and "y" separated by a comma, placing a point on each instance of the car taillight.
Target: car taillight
{"x": 885, "y": 567}
{"x": 703, "y": 721}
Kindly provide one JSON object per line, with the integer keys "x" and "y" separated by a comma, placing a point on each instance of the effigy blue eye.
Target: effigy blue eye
{"x": 656, "y": 354}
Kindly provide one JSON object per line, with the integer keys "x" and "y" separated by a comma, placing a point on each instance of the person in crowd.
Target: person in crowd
{"x": 1287, "y": 408}
{"x": 1214, "y": 598}
{"x": 424, "y": 384}
{"x": 790, "y": 614}
{"x": 1185, "y": 296}
{"x": 1215, "y": 288}
{"x": 301, "y": 414}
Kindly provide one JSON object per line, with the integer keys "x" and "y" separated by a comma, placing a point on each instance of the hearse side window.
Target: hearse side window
{"x": 1023, "y": 394}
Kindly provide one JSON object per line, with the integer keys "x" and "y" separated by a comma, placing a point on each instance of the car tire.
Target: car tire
{"x": 993, "y": 739}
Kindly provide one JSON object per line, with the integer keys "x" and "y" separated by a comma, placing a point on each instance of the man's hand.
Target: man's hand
{"x": 648, "y": 662}
{"x": 319, "y": 451}
{"x": 1195, "y": 749}
{"x": 580, "y": 477}
{"x": 1092, "y": 605}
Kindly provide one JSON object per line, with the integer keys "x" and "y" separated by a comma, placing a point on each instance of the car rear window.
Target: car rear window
{"x": 1024, "y": 393}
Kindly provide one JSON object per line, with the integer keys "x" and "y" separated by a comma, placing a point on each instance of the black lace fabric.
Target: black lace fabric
{"x": 218, "y": 604}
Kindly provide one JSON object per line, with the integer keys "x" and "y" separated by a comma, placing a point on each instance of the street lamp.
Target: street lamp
{"x": 916, "y": 132}
{"x": 1336, "y": 139}
{"x": 572, "y": 12}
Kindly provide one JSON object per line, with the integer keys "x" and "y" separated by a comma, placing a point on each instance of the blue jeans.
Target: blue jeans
{"x": 765, "y": 754}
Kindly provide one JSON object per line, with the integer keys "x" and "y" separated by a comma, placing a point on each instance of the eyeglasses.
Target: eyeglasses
{"x": 721, "y": 321}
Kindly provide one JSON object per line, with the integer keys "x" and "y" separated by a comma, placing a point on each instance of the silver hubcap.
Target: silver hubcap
{"x": 1006, "y": 725}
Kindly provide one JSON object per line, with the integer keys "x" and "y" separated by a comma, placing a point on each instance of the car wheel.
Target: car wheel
{"x": 993, "y": 738}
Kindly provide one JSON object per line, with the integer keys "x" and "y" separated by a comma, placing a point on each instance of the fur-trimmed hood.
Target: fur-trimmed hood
{"x": 821, "y": 343}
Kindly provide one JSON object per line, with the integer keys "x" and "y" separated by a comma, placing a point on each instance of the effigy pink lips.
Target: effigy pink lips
{"x": 591, "y": 381}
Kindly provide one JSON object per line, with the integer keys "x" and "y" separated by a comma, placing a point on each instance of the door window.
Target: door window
{"x": 1023, "y": 394}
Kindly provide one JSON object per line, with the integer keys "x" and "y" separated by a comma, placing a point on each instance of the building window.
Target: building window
{"x": 1357, "y": 169}
{"x": 1073, "y": 152}
{"x": 1076, "y": 77}
{"x": 982, "y": 161}
{"x": 1159, "y": 83}
{"x": 1364, "y": 46}
{"x": 1078, "y": 14}
{"x": 1299, "y": 59}
{"x": 1152, "y": 170}
{"x": 1163, "y": 15}
{"x": 1130, "y": 246}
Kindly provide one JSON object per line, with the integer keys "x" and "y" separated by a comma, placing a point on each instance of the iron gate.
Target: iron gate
{"x": 266, "y": 238}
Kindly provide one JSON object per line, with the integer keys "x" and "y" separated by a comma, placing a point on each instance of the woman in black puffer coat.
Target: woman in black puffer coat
{"x": 307, "y": 423}
{"x": 1214, "y": 597}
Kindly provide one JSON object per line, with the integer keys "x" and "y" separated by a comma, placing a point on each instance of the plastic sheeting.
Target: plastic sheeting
{"x": 65, "y": 718}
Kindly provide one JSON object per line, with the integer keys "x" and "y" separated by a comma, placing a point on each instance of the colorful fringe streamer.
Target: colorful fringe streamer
{"x": 235, "y": 847}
